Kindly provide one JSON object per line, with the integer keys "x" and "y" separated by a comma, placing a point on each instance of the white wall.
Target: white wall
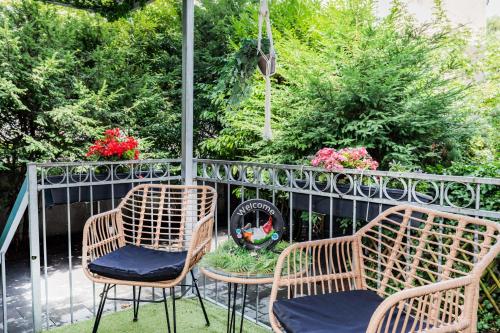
{"x": 471, "y": 13}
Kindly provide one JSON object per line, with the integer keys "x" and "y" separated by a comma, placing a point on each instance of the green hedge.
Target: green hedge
{"x": 111, "y": 9}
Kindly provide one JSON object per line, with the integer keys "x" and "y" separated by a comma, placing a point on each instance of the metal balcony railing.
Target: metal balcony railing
{"x": 315, "y": 204}
{"x": 321, "y": 204}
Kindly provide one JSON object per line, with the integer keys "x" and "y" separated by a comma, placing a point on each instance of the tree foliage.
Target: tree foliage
{"x": 67, "y": 74}
{"x": 346, "y": 79}
{"x": 47, "y": 111}
{"x": 111, "y": 9}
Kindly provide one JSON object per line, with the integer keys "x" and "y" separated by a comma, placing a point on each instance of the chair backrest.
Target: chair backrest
{"x": 409, "y": 246}
{"x": 163, "y": 216}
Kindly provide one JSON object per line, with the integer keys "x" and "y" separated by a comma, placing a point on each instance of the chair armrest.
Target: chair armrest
{"x": 102, "y": 234}
{"x": 316, "y": 267}
{"x": 201, "y": 240}
{"x": 318, "y": 261}
{"x": 434, "y": 308}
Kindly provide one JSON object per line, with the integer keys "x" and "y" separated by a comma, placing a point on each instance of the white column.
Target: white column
{"x": 34, "y": 249}
{"x": 187, "y": 111}
{"x": 187, "y": 90}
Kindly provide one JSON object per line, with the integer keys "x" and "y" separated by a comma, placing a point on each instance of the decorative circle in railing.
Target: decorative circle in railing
{"x": 55, "y": 175}
{"x": 221, "y": 172}
{"x": 100, "y": 172}
{"x": 208, "y": 170}
{"x": 419, "y": 186}
{"x": 266, "y": 176}
{"x": 160, "y": 169}
{"x": 301, "y": 179}
{"x": 458, "y": 194}
{"x": 122, "y": 171}
{"x": 142, "y": 170}
{"x": 321, "y": 181}
{"x": 390, "y": 185}
{"x": 250, "y": 174}
{"x": 256, "y": 224}
{"x": 371, "y": 188}
{"x": 79, "y": 174}
{"x": 282, "y": 177}
{"x": 339, "y": 181}
{"x": 235, "y": 172}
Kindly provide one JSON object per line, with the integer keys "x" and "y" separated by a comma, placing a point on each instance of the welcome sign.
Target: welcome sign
{"x": 256, "y": 224}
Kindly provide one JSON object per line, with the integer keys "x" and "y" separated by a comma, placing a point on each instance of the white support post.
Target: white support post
{"x": 187, "y": 89}
{"x": 187, "y": 108}
{"x": 34, "y": 248}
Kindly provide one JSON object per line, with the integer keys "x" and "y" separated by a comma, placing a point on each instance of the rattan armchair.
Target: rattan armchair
{"x": 156, "y": 235}
{"x": 411, "y": 269}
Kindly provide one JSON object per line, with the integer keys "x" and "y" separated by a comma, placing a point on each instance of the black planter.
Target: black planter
{"x": 58, "y": 196}
{"x": 345, "y": 207}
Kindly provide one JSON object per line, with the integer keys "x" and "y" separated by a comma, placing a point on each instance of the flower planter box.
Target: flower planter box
{"x": 58, "y": 196}
{"x": 345, "y": 207}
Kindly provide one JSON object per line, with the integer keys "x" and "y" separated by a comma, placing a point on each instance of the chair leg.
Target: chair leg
{"x": 136, "y": 302}
{"x": 100, "y": 309}
{"x": 207, "y": 322}
{"x": 166, "y": 309}
{"x": 172, "y": 294}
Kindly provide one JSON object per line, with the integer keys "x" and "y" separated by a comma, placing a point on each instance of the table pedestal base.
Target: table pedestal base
{"x": 231, "y": 307}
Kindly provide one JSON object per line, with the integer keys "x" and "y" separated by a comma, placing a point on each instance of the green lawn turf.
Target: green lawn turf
{"x": 152, "y": 319}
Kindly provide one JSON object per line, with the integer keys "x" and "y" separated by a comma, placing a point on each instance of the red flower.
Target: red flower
{"x": 115, "y": 145}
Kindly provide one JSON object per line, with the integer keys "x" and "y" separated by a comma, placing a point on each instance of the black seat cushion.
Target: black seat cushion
{"x": 342, "y": 312}
{"x": 135, "y": 263}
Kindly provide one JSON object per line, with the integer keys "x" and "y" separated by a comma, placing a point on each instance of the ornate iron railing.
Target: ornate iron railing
{"x": 457, "y": 194}
{"x": 314, "y": 203}
{"x": 349, "y": 197}
{"x": 54, "y": 191}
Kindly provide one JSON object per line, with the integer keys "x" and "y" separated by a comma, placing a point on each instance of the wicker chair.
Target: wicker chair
{"x": 411, "y": 269}
{"x": 154, "y": 238}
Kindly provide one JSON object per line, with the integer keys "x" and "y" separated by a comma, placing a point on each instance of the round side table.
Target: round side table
{"x": 234, "y": 279}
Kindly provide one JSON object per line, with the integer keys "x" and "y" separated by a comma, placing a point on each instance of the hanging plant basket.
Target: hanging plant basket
{"x": 262, "y": 64}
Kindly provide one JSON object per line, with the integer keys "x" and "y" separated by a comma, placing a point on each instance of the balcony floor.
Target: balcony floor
{"x": 152, "y": 319}
{"x": 83, "y": 292}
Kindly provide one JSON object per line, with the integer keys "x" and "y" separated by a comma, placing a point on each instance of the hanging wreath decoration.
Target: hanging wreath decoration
{"x": 256, "y": 224}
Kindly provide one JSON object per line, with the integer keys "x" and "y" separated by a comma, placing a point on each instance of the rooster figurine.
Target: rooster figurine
{"x": 260, "y": 234}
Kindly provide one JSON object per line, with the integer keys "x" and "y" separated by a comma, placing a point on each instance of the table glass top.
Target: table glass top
{"x": 240, "y": 275}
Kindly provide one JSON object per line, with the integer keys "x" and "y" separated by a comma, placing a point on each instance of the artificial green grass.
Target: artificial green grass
{"x": 152, "y": 319}
{"x": 231, "y": 257}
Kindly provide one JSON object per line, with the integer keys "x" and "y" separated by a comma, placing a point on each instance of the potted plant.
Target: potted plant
{"x": 333, "y": 160}
{"x": 233, "y": 259}
{"x": 241, "y": 68}
{"x": 265, "y": 57}
{"x": 114, "y": 145}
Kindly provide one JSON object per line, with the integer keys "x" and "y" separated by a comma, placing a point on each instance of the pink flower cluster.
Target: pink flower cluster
{"x": 345, "y": 158}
